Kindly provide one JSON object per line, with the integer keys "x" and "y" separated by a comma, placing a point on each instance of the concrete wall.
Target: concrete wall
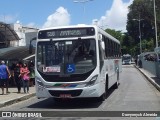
{"x": 158, "y": 69}
{"x": 151, "y": 66}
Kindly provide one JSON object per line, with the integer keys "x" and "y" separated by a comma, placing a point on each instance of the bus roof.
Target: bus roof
{"x": 70, "y": 26}
{"x": 126, "y": 55}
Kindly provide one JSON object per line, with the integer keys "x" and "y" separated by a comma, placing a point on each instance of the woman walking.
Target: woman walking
{"x": 32, "y": 74}
{"x": 17, "y": 77}
{"x": 25, "y": 77}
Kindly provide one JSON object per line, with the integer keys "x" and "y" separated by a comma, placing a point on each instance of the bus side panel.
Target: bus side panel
{"x": 113, "y": 68}
{"x": 111, "y": 72}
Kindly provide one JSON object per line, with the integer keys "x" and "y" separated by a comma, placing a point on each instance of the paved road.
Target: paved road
{"x": 135, "y": 93}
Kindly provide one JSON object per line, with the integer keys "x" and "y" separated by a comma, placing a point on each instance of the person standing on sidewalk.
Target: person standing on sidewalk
{"x": 32, "y": 74}
{"x": 17, "y": 77}
{"x": 4, "y": 76}
{"x": 25, "y": 77}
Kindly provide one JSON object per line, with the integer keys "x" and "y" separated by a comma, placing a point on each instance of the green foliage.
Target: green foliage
{"x": 117, "y": 34}
{"x": 141, "y": 12}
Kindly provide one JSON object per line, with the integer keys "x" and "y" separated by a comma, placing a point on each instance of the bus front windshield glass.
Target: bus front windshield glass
{"x": 126, "y": 57}
{"x": 66, "y": 57}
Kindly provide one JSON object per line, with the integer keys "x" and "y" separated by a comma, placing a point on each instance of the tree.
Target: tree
{"x": 142, "y": 11}
{"x": 117, "y": 34}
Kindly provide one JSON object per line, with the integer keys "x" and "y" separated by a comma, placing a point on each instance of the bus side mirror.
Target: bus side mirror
{"x": 31, "y": 46}
{"x": 103, "y": 45}
{"x": 100, "y": 37}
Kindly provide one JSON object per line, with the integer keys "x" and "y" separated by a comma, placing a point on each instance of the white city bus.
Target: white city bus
{"x": 76, "y": 62}
{"x": 126, "y": 59}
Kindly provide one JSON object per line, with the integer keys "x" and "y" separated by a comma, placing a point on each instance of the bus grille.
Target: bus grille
{"x": 57, "y": 93}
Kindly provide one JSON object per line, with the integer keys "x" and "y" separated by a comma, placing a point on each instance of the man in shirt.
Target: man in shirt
{"x": 4, "y": 75}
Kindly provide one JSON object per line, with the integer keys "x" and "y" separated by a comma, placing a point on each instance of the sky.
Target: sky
{"x": 50, "y": 13}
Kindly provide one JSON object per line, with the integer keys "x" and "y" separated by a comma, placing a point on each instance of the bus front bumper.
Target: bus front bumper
{"x": 85, "y": 92}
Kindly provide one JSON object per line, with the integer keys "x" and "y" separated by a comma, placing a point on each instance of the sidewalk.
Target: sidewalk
{"x": 14, "y": 97}
{"x": 151, "y": 78}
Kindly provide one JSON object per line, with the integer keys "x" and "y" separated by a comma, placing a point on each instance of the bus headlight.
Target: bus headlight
{"x": 39, "y": 82}
{"x": 92, "y": 81}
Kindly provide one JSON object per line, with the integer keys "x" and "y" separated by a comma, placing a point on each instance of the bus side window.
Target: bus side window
{"x": 106, "y": 48}
{"x": 109, "y": 48}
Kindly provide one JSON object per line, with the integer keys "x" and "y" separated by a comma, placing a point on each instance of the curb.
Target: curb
{"x": 149, "y": 79}
{"x": 16, "y": 100}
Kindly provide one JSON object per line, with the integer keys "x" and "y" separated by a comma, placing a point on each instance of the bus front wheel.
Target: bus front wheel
{"x": 104, "y": 95}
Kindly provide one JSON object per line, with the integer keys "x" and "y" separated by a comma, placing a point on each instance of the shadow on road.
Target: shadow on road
{"x": 77, "y": 103}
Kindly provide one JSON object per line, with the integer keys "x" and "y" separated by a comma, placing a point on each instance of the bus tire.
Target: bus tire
{"x": 115, "y": 86}
{"x": 104, "y": 95}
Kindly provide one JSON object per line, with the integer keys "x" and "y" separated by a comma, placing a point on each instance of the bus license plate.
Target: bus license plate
{"x": 65, "y": 96}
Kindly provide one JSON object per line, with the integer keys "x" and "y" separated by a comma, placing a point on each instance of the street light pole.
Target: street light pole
{"x": 155, "y": 18}
{"x": 139, "y": 20}
{"x": 5, "y": 24}
{"x": 82, "y": 1}
{"x": 140, "y": 34}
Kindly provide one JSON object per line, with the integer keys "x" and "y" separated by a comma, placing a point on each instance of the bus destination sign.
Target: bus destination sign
{"x": 62, "y": 33}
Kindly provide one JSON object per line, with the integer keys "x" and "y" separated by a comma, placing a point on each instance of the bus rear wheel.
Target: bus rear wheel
{"x": 115, "y": 86}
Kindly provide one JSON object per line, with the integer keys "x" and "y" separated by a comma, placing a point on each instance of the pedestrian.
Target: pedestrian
{"x": 4, "y": 76}
{"x": 25, "y": 77}
{"x": 17, "y": 77}
{"x": 32, "y": 74}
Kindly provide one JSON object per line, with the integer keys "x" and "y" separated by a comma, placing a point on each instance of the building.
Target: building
{"x": 14, "y": 35}
{"x": 25, "y": 34}
{"x": 14, "y": 42}
{"x": 7, "y": 35}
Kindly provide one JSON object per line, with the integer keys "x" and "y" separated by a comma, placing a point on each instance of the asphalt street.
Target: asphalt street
{"x": 135, "y": 93}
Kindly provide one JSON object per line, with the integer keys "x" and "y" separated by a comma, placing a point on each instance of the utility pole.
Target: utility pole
{"x": 82, "y": 1}
{"x": 139, "y": 20}
{"x": 155, "y": 18}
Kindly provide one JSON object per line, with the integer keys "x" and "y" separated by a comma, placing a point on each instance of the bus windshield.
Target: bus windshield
{"x": 126, "y": 57}
{"x": 66, "y": 57}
